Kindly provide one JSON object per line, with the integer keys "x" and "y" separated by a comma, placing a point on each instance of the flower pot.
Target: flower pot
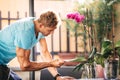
{"x": 99, "y": 71}
{"x": 111, "y": 68}
{"x": 88, "y": 71}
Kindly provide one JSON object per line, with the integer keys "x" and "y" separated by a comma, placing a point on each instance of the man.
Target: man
{"x": 18, "y": 39}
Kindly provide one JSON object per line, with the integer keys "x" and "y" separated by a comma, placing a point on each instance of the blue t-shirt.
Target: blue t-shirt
{"x": 21, "y": 34}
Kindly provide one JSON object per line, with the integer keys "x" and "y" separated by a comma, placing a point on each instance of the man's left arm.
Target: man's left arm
{"x": 47, "y": 56}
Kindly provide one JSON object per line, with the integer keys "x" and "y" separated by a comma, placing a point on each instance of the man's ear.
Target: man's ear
{"x": 40, "y": 25}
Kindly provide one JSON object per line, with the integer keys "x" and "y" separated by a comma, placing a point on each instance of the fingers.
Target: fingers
{"x": 57, "y": 63}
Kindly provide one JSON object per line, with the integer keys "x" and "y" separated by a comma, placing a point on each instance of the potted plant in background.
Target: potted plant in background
{"x": 108, "y": 59}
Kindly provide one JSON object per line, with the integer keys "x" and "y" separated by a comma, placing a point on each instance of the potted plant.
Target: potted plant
{"x": 107, "y": 49}
{"x": 78, "y": 19}
{"x": 110, "y": 56}
{"x": 100, "y": 57}
{"x": 104, "y": 22}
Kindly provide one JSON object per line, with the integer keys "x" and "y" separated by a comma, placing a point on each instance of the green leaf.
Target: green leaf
{"x": 79, "y": 59}
{"x": 99, "y": 59}
{"x": 117, "y": 44}
{"x": 106, "y": 43}
{"x": 118, "y": 51}
{"x": 106, "y": 49}
{"x": 106, "y": 52}
{"x": 78, "y": 67}
{"x": 93, "y": 52}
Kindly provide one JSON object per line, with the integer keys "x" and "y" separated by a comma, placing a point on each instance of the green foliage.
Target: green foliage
{"x": 117, "y": 47}
{"x": 98, "y": 14}
{"x": 94, "y": 50}
{"x": 97, "y": 57}
{"x": 104, "y": 20}
{"x": 106, "y": 43}
{"x": 117, "y": 44}
{"x": 106, "y": 48}
{"x": 79, "y": 59}
{"x": 89, "y": 60}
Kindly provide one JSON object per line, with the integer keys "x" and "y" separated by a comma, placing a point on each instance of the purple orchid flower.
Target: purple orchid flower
{"x": 76, "y": 16}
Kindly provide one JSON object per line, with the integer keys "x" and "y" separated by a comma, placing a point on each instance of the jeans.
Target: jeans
{"x": 7, "y": 74}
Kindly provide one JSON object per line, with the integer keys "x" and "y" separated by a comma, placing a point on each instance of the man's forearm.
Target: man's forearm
{"x": 48, "y": 57}
{"x": 37, "y": 66}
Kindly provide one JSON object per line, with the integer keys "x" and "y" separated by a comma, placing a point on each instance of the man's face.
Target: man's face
{"x": 47, "y": 30}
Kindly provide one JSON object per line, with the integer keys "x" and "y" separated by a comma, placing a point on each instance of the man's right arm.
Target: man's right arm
{"x": 27, "y": 65}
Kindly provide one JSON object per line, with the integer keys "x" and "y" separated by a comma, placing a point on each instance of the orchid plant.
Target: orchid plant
{"x": 93, "y": 56}
{"x": 79, "y": 19}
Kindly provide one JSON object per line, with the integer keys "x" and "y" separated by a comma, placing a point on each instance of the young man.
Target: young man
{"x": 18, "y": 39}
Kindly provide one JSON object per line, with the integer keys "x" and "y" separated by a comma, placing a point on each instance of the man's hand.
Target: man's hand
{"x": 57, "y": 63}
